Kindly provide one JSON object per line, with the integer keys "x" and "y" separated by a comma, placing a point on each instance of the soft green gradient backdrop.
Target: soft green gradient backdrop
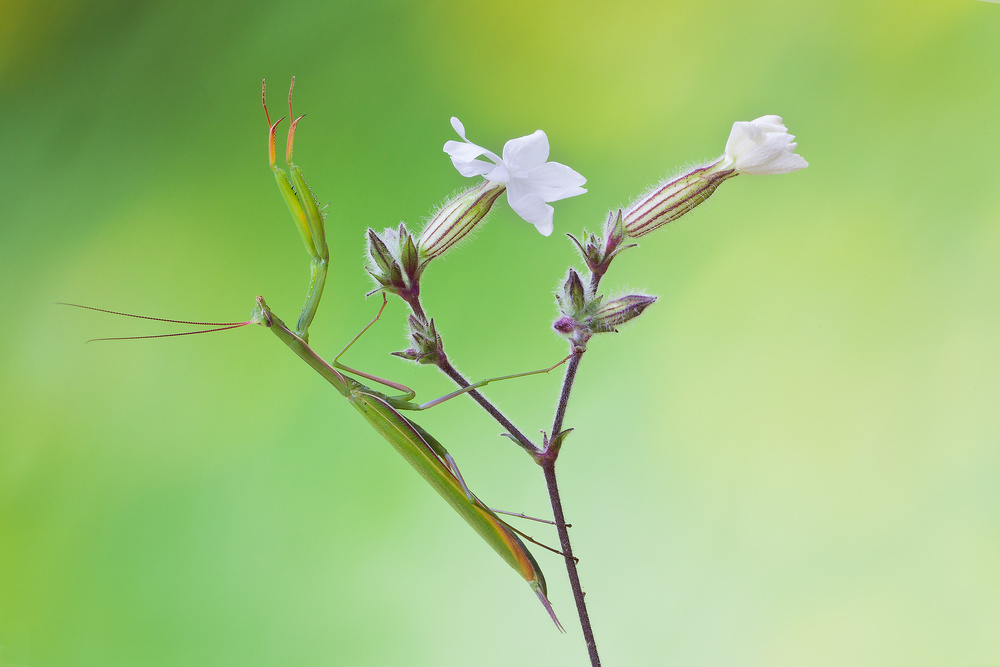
{"x": 793, "y": 459}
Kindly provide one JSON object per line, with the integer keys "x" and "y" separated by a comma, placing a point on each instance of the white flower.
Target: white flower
{"x": 762, "y": 146}
{"x": 530, "y": 180}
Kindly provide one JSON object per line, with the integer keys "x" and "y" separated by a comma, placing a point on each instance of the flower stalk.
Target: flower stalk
{"x": 397, "y": 259}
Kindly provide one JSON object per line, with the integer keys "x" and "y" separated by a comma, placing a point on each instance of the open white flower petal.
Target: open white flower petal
{"x": 498, "y": 174}
{"x": 459, "y": 128}
{"x": 517, "y": 189}
{"x": 527, "y": 152}
{"x": 463, "y": 150}
{"x": 472, "y": 167}
{"x": 533, "y": 209}
{"x": 770, "y": 123}
{"x": 554, "y": 181}
{"x": 530, "y": 180}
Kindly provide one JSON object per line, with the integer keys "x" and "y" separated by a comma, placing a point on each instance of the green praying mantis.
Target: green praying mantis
{"x": 420, "y": 449}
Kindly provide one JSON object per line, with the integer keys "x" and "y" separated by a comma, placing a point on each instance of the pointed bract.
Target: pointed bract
{"x": 393, "y": 260}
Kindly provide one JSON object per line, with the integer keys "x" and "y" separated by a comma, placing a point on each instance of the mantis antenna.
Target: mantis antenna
{"x": 216, "y": 326}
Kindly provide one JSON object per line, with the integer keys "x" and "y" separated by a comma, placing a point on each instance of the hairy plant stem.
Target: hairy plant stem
{"x": 547, "y": 460}
{"x": 567, "y": 387}
{"x": 549, "y": 469}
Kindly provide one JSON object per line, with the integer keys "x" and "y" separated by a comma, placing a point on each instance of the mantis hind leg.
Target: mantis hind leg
{"x": 408, "y": 393}
{"x": 483, "y": 383}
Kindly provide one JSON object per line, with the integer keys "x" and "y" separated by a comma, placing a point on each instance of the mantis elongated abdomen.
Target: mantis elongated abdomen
{"x": 402, "y": 434}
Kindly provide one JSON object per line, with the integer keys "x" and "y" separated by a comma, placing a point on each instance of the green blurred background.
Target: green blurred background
{"x": 792, "y": 459}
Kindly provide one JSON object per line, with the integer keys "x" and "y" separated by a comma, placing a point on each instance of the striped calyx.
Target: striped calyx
{"x": 456, "y": 219}
{"x": 673, "y": 198}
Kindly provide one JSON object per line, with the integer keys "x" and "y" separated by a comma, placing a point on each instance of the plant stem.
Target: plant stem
{"x": 567, "y": 387}
{"x": 548, "y": 462}
{"x": 549, "y": 469}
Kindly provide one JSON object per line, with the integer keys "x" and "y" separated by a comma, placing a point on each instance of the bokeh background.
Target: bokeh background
{"x": 791, "y": 459}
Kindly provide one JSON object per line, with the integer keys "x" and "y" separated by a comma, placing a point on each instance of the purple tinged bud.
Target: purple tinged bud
{"x": 618, "y": 311}
{"x": 576, "y": 307}
{"x": 382, "y": 266}
{"x": 598, "y": 252}
{"x": 564, "y": 325}
{"x": 410, "y": 354}
{"x": 427, "y": 345}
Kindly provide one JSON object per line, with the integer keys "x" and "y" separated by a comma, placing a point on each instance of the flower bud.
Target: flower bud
{"x": 619, "y": 311}
{"x": 577, "y": 305}
{"x": 598, "y": 252}
{"x": 381, "y": 264}
{"x": 674, "y": 198}
{"x": 583, "y": 314}
{"x": 564, "y": 325}
{"x": 573, "y": 299}
{"x": 457, "y": 218}
{"x": 393, "y": 260}
{"x": 427, "y": 345}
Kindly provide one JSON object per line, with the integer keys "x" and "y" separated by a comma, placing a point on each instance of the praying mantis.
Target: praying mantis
{"x": 427, "y": 456}
{"x": 383, "y": 412}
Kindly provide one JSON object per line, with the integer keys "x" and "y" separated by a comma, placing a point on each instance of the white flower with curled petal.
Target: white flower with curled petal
{"x": 762, "y": 146}
{"x": 531, "y": 182}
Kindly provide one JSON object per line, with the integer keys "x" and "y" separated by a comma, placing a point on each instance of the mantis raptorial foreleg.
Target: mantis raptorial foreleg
{"x": 306, "y": 214}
